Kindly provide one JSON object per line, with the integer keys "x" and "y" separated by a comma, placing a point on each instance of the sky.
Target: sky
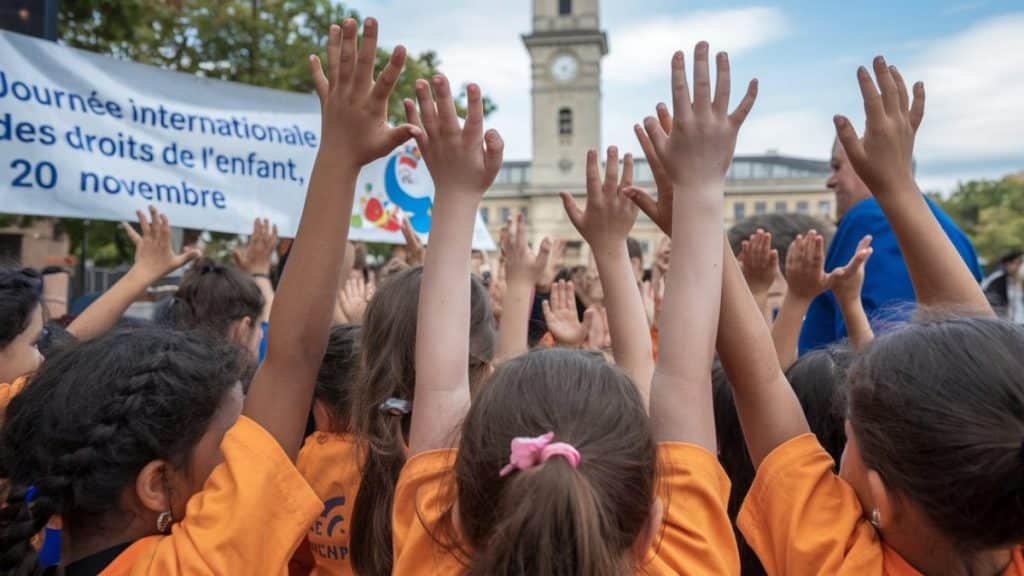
{"x": 969, "y": 54}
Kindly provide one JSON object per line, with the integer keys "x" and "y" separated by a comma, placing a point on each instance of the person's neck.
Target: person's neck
{"x": 935, "y": 555}
{"x": 76, "y": 545}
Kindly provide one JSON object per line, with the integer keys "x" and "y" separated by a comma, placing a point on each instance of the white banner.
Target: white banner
{"x": 88, "y": 136}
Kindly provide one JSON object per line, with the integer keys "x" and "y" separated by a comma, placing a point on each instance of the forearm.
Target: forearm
{"x": 937, "y": 272}
{"x": 627, "y": 320}
{"x": 104, "y": 313}
{"x": 267, "y": 290}
{"x": 513, "y": 332}
{"x": 442, "y": 329}
{"x": 858, "y": 327}
{"x": 55, "y": 294}
{"x": 769, "y": 411}
{"x": 786, "y": 329}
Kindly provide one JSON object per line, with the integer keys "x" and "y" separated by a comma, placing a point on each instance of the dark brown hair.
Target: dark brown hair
{"x": 551, "y": 519}
{"x": 388, "y": 370}
{"x": 211, "y": 296}
{"x": 338, "y": 371}
{"x": 937, "y": 408}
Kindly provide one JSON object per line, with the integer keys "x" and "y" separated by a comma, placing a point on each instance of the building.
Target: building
{"x": 566, "y": 46}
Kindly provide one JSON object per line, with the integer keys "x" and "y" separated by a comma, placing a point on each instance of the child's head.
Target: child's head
{"x": 598, "y": 518}
{"x": 336, "y": 379}
{"x": 220, "y": 299}
{"x": 388, "y": 372}
{"x": 113, "y": 432}
{"x": 21, "y": 322}
{"x": 819, "y": 380}
{"x": 936, "y": 433}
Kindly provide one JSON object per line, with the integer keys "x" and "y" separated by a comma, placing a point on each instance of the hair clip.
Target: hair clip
{"x": 395, "y": 407}
{"x": 527, "y": 452}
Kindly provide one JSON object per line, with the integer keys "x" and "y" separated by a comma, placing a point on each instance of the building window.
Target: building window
{"x": 803, "y": 207}
{"x": 565, "y": 121}
{"x": 564, "y": 7}
{"x": 781, "y": 207}
{"x": 760, "y": 208}
{"x": 485, "y": 214}
{"x": 739, "y": 211}
{"x": 824, "y": 207}
{"x": 505, "y": 212}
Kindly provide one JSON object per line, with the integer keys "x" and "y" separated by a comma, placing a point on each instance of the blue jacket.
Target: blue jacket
{"x": 887, "y": 294}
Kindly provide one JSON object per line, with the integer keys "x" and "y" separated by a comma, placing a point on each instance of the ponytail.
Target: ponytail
{"x": 370, "y": 545}
{"x": 20, "y": 521}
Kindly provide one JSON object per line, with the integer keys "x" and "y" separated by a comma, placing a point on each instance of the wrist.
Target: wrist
{"x": 797, "y": 300}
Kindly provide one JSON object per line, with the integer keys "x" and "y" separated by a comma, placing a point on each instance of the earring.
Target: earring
{"x": 876, "y": 519}
{"x": 163, "y": 522}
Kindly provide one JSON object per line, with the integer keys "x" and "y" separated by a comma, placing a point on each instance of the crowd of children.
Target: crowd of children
{"x": 606, "y": 423}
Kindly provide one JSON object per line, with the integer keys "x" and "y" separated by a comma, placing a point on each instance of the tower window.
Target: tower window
{"x": 564, "y": 7}
{"x": 565, "y": 122}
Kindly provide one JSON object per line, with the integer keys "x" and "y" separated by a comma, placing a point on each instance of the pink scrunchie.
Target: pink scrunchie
{"x": 530, "y": 452}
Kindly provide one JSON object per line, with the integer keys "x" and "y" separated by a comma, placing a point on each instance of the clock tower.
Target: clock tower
{"x": 566, "y": 47}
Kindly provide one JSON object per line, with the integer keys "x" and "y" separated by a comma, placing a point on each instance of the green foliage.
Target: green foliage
{"x": 259, "y": 42}
{"x": 991, "y": 212}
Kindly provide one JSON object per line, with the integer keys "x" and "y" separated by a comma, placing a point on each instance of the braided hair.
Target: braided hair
{"x": 20, "y": 292}
{"x": 93, "y": 416}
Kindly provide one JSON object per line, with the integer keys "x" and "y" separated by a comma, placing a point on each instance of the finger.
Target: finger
{"x": 872, "y": 100}
{"x": 657, "y": 136}
{"x": 548, "y": 316}
{"x": 864, "y": 242}
{"x": 722, "y": 85}
{"x": 773, "y": 259}
{"x": 588, "y": 321}
{"x": 648, "y": 148}
{"x": 154, "y": 221}
{"x": 131, "y": 233}
{"x": 569, "y": 295}
{"x": 818, "y": 252}
{"x": 664, "y": 118}
{"x": 746, "y": 105}
{"x": 543, "y": 253}
{"x": 367, "y": 57}
{"x": 388, "y": 77}
{"x": 572, "y": 210}
{"x": 428, "y": 110}
{"x": 593, "y": 175}
{"x": 448, "y": 121}
{"x": 682, "y": 108}
{"x": 320, "y": 83}
{"x": 701, "y": 80}
{"x": 473, "y": 127}
{"x": 917, "y": 107}
{"x": 555, "y": 297}
{"x": 347, "y": 55}
{"x": 401, "y": 134}
{"x": 273, "y": 235}
{"x": 890, "y": 94}
{"x": 643, "y": 201}
{"x": 901, "y": 89}
{"x": 333, "y": 54}
{"x": 627, "y": 172}
{"x": 611, "y": 169}
{"x": 493, "y": 154}
{"x": 410, "y": 236}
{"x": 517, "y": 232}
{"x": 744, "y": 250}
{"x": 185, "y": 257}
{"x": 848, "y": 138}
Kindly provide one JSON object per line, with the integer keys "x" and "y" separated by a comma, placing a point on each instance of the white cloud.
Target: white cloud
{"x": 975, "y": 93}
{"x": 803, "y": 132}
{"x": 641, "y": 51}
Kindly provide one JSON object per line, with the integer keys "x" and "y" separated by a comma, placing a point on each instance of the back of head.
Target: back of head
{"x": 212, "y": 296}
{"x": 937, "y": 409}
{"x": 338, "y": 372}
{"x": 387, "y": 371}
{"x": 783, "y": 228}
{"x": 94, "y": 415}
{"x": 634, "y": 249}
{"x": 553, "y": 519}
{"x": 20, "y": 293}
{"x": 819, "y": 380}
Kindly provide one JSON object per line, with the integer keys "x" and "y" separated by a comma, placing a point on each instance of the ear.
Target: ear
{"x": 322, "y": 416}
{"x": 151, "y": 486}
{"x": 239, "y": 330}
{"x": 645, "y": 540}
{"x": 884, "y": 502}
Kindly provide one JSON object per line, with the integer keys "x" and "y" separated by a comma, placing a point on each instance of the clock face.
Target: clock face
{"x": 564, "y": 67}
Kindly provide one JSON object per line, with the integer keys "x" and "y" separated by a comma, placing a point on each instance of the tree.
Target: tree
{"x": 991, "y": 212}
{"x": 258, "y": 42}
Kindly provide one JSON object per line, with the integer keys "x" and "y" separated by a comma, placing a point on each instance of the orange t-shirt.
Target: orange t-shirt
{"x": 800, "y": 518}
{"x": 330, "y": 463}
{"x": 249, "y": 517}
{"x": 696, "y": 536}
{"x": 9, "y": 391}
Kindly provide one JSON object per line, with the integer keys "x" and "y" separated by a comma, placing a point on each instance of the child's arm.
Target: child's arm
{"x": 463, "y": 163}
{"x": 523, "y": 270}
{"x": 604, "y": 223}
{"x": 769, "y": 411}
{"x": 846, "y": 287}
{"x": 696, "y": 155}
{"x": 154, "y": 258}
{"x": 354, "y": 132}
{"x": 884, "y": 159}
{"x": 254, "y": 258}
{"x": 760, "y": 265}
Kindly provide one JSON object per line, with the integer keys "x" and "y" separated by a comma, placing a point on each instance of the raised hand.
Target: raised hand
{"x": 154, "y": 255}
{"x": 354, "y": 299}
{"x": 846, "y": 282}
{"x": 523, "y": 267}
{"x": 416, "y": 253}
{"x": 609, "y": 215}
{"x": 658, "y": 210}
{"x": 805, "y": 267}
{"x": 355, "y": 129}
{"x": 461, "y": 160}
{"x": 562, "y": 318}
{"x": 759, "y": 262}
{"x": 254, "y": 256}
{"x": 555, "y": 262}
{"x": 884, "y": 157}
